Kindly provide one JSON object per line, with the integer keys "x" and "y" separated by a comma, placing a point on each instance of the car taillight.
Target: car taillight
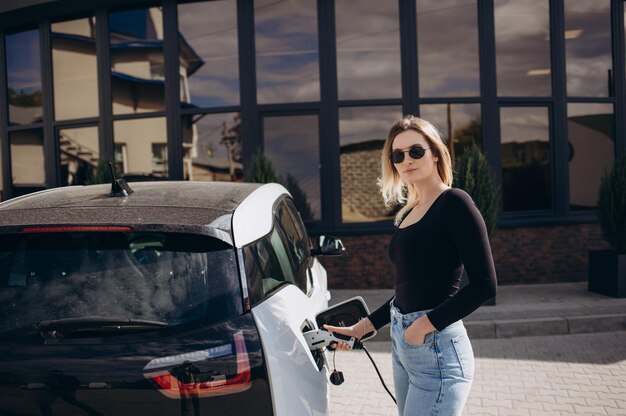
{"x": 78, "y": 229}
{"x": 184, "y": 379}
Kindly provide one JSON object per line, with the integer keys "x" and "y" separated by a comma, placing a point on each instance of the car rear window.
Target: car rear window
{"x": 166, "y": 277}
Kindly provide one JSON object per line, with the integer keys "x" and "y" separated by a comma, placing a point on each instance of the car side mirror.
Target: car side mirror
{"x": 346, "y": 313}
{"x": 328, "y": 246}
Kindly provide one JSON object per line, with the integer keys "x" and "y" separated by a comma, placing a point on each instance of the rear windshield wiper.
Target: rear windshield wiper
{"x": 95, "y": 325}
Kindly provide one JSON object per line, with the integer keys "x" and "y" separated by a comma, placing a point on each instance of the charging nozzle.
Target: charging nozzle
{"x": 320, "y": 338}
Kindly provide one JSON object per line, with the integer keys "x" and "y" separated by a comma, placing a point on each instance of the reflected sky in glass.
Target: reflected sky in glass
{"x": 209, "y": 48}
{"x": 522, "y": 124}
{"x": 447, "y": 47}
{"x": 368, "y": 49}
{"x": 24, "y": 77}
{"x": 364, "y": 124}
{"x": 523, "y": 47}
{"x": 463, "y": 119}
{"x": 287, "y": 58}
{"x": 292, "y": 145}
{"x": 588, "y": 47}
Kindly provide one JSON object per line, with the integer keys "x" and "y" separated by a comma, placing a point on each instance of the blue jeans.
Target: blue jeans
{"x": 433, "y": 378}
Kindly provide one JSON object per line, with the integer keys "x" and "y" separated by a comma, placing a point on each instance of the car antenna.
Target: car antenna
{"x": 119, "y": 187}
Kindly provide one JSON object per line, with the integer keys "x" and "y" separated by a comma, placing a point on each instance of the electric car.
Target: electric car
{"x": 167, "y": 298}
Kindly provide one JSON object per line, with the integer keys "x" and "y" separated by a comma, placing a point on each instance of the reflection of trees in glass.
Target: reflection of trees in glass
{"x": 475, "y": 177}
{"x": 22, "y": 99}
{"x": 261, "y": 170}
{"x": 467, "y": 135}
{"x": 102, "y": 174}
{"x": 299, "y": 197}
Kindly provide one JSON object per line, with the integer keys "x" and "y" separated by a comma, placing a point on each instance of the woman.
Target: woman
{"x": 440, "y": 233}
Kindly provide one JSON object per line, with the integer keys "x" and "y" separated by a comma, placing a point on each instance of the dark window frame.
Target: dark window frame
{"x": 327, "y": 108}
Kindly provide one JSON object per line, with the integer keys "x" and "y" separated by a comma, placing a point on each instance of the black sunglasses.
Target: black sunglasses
{"x": 415, "y": 152}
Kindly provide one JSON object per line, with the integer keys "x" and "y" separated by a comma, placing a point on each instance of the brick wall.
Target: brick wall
{"x": 521, "y": 255}
{"x": 360, "y": 169}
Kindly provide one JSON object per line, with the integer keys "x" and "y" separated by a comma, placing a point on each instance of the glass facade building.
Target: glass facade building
{"x": 199, "y": 90}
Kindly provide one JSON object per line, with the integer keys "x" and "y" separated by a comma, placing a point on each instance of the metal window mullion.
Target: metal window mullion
{"x": 105, "y": 94}
{"x": 490, "y": 114}
{"x": 559, "y": 147}
{"x": 329, "y": 152}
{"x": 619, "y": 71}
{"x": 172, "y": 90}
{"x": 52, "y": 166}
{"x": 409, "y": 56}
{"x": 5, "y": 146}
{"x": 250, "y": 127}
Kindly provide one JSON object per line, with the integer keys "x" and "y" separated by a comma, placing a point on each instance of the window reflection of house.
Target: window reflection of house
{"x": 360, "y": 167}
{"x": 216, "y": 170}
{"x": 591, "y": 144}
{"x": 78, "y": 154}
{"x": 137, "y": 82}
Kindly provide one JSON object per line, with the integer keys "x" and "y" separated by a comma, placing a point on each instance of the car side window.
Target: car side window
{"x": 296, "y": 243}
{"x": 267, "y": 264}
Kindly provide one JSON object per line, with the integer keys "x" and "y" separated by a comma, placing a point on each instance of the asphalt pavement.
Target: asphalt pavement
{"x": 554, "y": 349}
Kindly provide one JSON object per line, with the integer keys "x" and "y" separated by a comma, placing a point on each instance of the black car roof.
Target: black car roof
{"x": 153, "y": 204}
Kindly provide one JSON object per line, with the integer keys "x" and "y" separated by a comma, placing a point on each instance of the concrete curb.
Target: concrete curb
{"x": 534, "y": 327}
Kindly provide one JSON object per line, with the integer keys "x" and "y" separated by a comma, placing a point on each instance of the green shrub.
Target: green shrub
{"x": 612, "y": 205}
{"x": 474, "y": 176}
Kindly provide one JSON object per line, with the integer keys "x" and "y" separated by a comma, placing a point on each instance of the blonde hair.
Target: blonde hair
{"x": 394, "y": 190}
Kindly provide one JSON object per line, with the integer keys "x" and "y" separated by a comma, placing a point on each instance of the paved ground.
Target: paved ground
{"x": 582, "y": 374}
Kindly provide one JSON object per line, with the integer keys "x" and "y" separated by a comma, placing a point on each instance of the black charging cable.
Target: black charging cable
{"x": 336, "y": 377}
{"x": 378, "y": 372}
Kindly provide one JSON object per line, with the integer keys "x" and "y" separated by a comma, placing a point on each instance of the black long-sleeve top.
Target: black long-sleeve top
{"x": 429, "y": 257}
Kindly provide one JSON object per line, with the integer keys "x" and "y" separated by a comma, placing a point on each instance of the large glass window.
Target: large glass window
{"x": 588, "y": 48}
{"x": 291, "y": 143}
{"x": 523, "y": 47}
{"x": 74, "y": 69}
{"x": 78, "y": 155}
{"x": 137, "y": 75}
{"x": 362, "y": 134}
{"x": 24, "y": 77}
{"x": 209, "y": 53}
{"x": 287, "y": 58}
{"x": 141, "y": 148}
{"x": 212, "y": 147}
{"x": 461, "y": 122}
{"x": 525, "y": 152}
{"x": 447, "y": 46}
{"x": 27, "y": 161}
{"x": 591, "y": 139}
{"x": 368, "y": 49}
